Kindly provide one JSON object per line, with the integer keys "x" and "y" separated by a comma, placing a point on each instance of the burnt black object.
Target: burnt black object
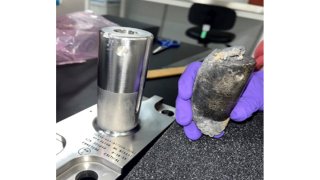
{"x": 220, "y": 81}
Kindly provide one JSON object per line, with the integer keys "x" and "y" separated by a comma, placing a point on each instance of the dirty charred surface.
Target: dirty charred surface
{"x": 219, "y": 83}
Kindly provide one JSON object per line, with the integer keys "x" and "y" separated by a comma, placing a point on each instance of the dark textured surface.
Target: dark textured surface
{"x": 238, "y": 155}
{"x": 218, "y": 86}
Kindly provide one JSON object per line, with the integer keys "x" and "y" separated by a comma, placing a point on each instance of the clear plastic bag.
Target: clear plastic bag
{"x": 77, "y": 36}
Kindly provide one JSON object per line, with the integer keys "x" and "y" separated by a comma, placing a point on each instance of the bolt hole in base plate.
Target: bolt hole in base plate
{"x": 60, "y": 143}
{"x": 87, "y": 175}
{"x": 167, "y": 112}
{"x": 86, "y": 153}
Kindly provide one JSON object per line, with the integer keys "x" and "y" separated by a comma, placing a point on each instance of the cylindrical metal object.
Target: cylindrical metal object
{"x": 219, "y": 83}
{"x": 122, "y": 68}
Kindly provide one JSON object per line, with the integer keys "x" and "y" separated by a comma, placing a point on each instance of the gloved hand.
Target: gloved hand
{"x": 250, "y": 101}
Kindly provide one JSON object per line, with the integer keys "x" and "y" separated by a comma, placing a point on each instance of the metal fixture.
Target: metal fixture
{"x": 99, "y": 142}
{"x": 123, "y": 58}
{"x": 86, "y": 149}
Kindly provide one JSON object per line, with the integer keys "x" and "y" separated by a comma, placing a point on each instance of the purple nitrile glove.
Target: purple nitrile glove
{"x": 250, "y": 101}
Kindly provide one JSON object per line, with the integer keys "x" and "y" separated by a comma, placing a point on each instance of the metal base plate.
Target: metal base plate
{"x": 85, "y": 152}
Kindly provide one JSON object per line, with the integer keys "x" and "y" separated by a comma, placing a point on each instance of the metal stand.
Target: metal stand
{"x": 85, "y": 152}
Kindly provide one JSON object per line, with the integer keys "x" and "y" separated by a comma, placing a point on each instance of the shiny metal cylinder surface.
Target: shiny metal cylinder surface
{"x": 122, "y": 68}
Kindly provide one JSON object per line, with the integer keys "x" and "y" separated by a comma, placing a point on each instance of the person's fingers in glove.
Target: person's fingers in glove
{"x": 187, "y": 79}
{"x": 185, "y": 87}
{"x": 183, "y": 101}
{"x": 183, "y": 111}
{"x": 192, "y": 131}
{"x": 251, "y": 100}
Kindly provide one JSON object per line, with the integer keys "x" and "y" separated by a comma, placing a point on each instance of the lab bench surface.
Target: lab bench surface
{"x": 237, "y": 155}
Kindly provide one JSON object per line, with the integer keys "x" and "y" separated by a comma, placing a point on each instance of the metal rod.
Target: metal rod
{"x": 122, "y": 66}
